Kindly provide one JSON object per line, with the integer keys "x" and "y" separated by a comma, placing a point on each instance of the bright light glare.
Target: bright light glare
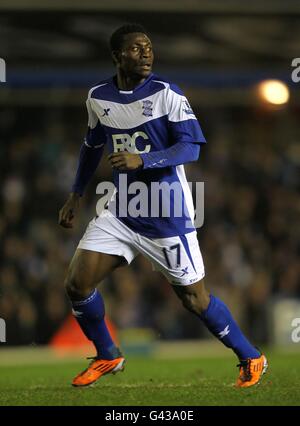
{"x": 274, "y": 91}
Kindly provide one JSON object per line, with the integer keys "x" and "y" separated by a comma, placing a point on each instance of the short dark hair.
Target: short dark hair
{"x": 117, "y": 38}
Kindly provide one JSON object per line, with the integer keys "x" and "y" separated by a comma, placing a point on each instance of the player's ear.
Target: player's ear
{"x": 116, "y": 56}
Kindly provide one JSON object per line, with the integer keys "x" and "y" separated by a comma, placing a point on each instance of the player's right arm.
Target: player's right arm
{"x": 90, "y": 155}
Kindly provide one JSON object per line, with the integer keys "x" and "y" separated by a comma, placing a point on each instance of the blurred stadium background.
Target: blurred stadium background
{"x": 219, "y": 53}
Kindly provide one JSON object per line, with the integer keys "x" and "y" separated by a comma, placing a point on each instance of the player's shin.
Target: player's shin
{"x": 89, "y": 314}
{"x": 221, "y": 324}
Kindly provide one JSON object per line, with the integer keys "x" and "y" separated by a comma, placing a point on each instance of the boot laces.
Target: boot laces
{"x": 245, "y": 371}
{"x": 92, "y": 360}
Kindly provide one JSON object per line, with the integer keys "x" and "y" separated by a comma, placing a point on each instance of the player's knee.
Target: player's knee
{"x": 191, "y": 303}
{"x": 75, "y": 287}
{"x": 196, "y": 302}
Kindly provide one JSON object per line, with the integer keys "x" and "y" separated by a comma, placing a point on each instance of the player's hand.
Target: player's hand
{"x": 125, "y": 161}
{"x": 67, "y": 212}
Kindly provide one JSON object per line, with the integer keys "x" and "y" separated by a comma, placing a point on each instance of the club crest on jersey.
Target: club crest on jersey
{"x": 147, "y": 108}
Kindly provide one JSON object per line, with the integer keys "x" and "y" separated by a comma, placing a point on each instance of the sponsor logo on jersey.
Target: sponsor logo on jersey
{"x": 125, "y": 142}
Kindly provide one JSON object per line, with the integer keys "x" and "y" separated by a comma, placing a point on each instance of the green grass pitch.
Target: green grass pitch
{"x": 149, "y": 381}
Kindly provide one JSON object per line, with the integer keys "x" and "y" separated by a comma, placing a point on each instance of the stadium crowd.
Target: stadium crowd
{"x": 249, "y": 241}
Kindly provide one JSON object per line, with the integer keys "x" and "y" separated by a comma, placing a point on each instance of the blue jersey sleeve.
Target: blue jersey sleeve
{"x": 183, "y": 123}
{"x": 90, "y": 152}
{"x": 180, "y": 153}
{"x": 95, "y": 136}
{"x": 89, "y": 159}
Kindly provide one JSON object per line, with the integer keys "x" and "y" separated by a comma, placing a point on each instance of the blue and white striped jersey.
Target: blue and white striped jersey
{"x": 152, "y": 117}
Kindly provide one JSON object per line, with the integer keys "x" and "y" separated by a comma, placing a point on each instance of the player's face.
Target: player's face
{"x": 136, "y": 57}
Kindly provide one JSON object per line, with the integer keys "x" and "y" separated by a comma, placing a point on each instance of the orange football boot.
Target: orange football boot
{"x": 98, "y": 368}
{"x": 251, "y": 371}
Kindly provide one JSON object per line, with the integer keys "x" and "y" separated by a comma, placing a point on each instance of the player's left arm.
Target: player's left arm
{"x": 185, "y": 131}
{"x": 180, "y": 153}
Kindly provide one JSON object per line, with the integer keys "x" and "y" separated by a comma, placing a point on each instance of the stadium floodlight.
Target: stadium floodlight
{"x": 274, "y": 92}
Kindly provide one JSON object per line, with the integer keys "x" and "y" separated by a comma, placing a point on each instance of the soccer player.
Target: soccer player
{"x": 151, "y": 131}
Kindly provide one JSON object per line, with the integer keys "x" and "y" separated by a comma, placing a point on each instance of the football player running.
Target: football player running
{"x": 151, "y": 131}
